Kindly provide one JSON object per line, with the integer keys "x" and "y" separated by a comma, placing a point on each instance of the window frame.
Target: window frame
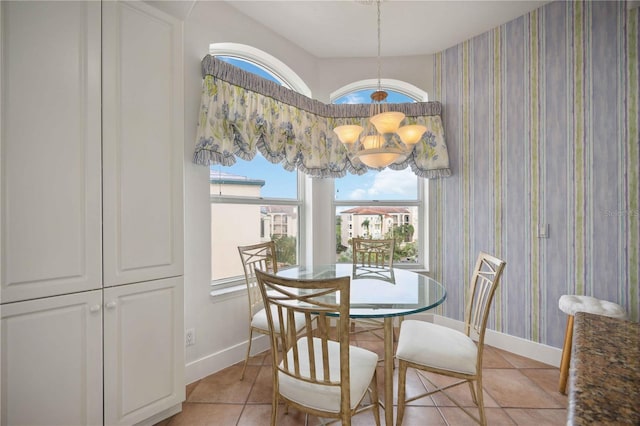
{"x": 420, "y": 202}
{"x": 267, "y": 62}
{"x": 390, "y": 84}
{"x": 298, "y": 202}
{"x": 291, "y": 80}
{"x": 422, "y": 196}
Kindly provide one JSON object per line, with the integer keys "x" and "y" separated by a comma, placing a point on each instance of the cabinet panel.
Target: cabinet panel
{"x": 52, "y": 361}
{"x": 144, "y": 350}
{"x": 50, "y": 142}
{"x": 143, "y": 149}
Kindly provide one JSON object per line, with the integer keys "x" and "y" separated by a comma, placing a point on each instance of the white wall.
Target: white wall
{"x": 338, "y": 72}
{"x": 221, "y": 324}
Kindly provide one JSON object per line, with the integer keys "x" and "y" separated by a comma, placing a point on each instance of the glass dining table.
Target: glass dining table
{"x": 381, "y": 293}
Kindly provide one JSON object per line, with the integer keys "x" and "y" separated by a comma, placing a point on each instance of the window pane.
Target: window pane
{"x": 399, "y": 222}
{"x": 249, "y": 67}
{"x": 234, "y": 225}
{"x": 386, "y": 184}
{"x": 268, "y": 180}
{"x": 364, "y": 97}
{"x": 241, "y": 213}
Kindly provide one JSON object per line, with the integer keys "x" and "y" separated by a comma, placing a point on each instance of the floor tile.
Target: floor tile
{"x": 495, "y": 416}
{"x": 517, "y": 391}
{"x": 225, "y": 386}
{"x": 512, "y": 389}
{"x": 519, "y": 361}
{"x": 260, "y": 414}
{"x": 461, "y": 393}
{"x": 538, "y": 417}
{"x": 493, "y": 358}
{"x": 263, "y": 387}
{"x": 207, "y": 415}
{"x": 421, "y": 416}
{"x": 190, "y": 387}
{"x": 547, "y": 379}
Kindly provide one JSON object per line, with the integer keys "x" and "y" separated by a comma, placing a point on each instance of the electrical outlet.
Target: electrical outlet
{"x": 543, "y": 230}
{"x": 190, "y": 337}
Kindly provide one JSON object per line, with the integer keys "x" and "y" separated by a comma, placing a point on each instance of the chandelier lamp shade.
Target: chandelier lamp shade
{"x": 383, "y": 141}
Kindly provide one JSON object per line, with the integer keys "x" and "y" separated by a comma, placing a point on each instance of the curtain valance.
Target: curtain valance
{"x": 242, "y": 113}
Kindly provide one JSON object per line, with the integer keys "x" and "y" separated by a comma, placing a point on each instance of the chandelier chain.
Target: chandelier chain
{"x": 382, "y": 141}
{"x": 379, "y": 38}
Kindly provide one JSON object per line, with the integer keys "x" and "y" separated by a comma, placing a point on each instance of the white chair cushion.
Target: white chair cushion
{"x": 259, "y": 320}
{"x": 362, "y": 364}
{"x": 570, "y": 304}
{"x": 436, "y": 346}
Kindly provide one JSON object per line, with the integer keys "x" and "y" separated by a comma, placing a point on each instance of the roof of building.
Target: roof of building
{"x": 381, "y": 210}
{"x": 216, "y": 176}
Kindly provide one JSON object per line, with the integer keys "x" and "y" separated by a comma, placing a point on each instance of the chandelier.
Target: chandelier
{"x": 382, "y": 141}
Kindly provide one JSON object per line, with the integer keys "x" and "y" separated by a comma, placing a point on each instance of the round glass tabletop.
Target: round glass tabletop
{"x": 378, "y": 292}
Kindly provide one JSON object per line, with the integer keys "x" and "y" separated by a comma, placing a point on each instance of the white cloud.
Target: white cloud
{"x": 397, "y": 182}
{"x": 355, "y": 98}
{"x": 388, "y": 184}
{"x": 358, "y": 194}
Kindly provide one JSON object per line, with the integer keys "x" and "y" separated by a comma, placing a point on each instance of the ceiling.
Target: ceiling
{"x": 347, "y": 28}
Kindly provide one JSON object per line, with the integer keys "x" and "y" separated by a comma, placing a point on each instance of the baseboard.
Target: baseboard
{"x": 213, "y": 363}
{"x": 517, "y": 345}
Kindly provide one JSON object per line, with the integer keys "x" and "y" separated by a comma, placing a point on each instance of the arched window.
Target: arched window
{"x": 396, "y": 89}
{"x": 382, "y": 204}
{"x": 254, "y": 57}
{"x": 254, "y": 201}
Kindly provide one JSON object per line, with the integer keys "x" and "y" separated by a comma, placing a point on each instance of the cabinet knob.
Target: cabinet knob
{"x": 94, "y": 308}
{"x": 111, "y": 305}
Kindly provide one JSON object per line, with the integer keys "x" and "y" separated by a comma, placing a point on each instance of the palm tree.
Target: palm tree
{"x": 365, "y": 223}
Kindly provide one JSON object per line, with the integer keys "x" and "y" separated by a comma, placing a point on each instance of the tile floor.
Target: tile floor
{"x": 517, "y": 391}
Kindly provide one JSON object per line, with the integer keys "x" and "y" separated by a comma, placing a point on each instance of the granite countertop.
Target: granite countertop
{"x": 605, "y": 371}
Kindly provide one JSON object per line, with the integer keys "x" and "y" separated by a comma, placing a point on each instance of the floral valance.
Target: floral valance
{"x": 242, "y": 113}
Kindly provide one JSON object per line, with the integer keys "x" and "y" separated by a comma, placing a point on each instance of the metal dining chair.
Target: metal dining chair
{"x": 317, "y": 371}
{"x": 441, "y": 350}
{"x": 261, "y": 256}
{"x": 371, "y": 256}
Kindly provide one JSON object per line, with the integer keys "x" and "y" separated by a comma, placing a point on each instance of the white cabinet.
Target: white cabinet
{"x": 51, "y": 134}
{"x": 144, "y": 356}
{"x": 142, "y": 143}
{"x": 52, "y": 361}
{"x": 91, "y": 232}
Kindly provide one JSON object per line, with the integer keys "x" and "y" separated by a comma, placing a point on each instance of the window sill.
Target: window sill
{"x": 226, "y": 293}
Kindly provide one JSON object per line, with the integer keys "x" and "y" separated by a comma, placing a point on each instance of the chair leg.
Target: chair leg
{"x": 274, "y": 408}
{"x": 566, "y": 356}
{"x": 246, "y": 358}
{"x": 480, "y": 401}
{"x": 375, "y": 398}
{"x": 473, "y": 393}
{"x": 402, "y": 381}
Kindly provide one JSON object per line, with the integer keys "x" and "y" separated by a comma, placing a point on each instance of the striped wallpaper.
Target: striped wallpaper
{"x": 541, "y": 120}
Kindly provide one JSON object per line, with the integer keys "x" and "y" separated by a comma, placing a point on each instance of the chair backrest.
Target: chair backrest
{"x": 308, "y": 348}
{"x": 373, "y": 253}
{"x": 481, "y": 291}
{"x": 260, "y": 256}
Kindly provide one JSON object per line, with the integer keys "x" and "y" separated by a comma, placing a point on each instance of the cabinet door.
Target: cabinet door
{"x": 50, "y": 148}
{"x": 143, "y": 350}
{"x": 52, "y": 361}
{"x": 142, "y": 145}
